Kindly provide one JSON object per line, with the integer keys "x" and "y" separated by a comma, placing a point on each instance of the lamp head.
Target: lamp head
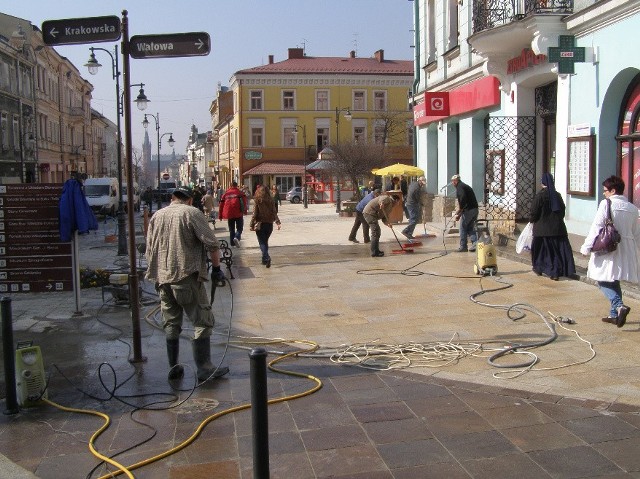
{"x": 93, "y": 65}
{"x": 145, "y": 122}
{"x": 142, "y": 100}
{"x": 171, "y": 141}
{"x": 348, "y": 115}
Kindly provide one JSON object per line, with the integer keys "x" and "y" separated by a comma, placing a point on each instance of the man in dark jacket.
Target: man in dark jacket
{"x": 413, "y": 205}
{"x": 360, "y": 218}
{"x": 467, "y": 213}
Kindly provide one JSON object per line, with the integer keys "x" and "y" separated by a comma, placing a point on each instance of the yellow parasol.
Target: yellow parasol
{"x": 398, "y": 169}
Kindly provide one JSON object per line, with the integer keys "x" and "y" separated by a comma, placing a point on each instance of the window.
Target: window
{"x": 322, "y": 100}
{"x": 431, "y": 31}
{"x": 359, "y": 100}
{"x": 322, "y": 138}
{"x": 379, "y": 134}
{"x": 380, "y": 100}
{"x": 452, "y": 40}
{"x": 288, "y": 100}
{"x": 285, "y": 183}
{"x": 359, "y": 134}
{"x": 16, "y": 132}
{"x": 4, "y": 130}
{"x": 256, "y": 137}
{"x": 288, "y": 135}
{"x": 256, "y": 99}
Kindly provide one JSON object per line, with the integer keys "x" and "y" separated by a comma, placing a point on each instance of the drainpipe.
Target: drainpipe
{"x": 416, "y": 81}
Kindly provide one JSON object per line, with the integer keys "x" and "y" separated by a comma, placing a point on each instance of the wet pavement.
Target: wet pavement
{"x": 403, "y": 346}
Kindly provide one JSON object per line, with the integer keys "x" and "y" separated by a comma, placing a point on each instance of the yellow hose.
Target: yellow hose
{"x": 107, "y": 421}
{"x": 194, "y": 436}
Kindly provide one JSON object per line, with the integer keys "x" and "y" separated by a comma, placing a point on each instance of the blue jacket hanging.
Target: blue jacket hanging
{"x": 75, "y": 212}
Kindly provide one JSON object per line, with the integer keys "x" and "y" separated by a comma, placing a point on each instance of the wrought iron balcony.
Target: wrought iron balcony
{"x": 494, "y": 13}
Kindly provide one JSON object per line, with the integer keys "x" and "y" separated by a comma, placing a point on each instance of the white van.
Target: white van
{"x": 136, "y": 196}
{"x": 102, "y": 195}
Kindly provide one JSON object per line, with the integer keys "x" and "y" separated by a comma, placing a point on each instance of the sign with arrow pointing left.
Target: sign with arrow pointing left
{"x": 190, "y": 44}
{"x": 81, "y": 30}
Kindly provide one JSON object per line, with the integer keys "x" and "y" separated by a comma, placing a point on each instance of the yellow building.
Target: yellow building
{"x": 284, "y": 113}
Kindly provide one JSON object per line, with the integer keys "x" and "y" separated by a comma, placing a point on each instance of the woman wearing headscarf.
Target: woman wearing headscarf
{"x": 550, "y": 249}
{"x": 621, "y": 264}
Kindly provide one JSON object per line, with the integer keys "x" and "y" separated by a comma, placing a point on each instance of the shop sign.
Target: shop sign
{"x": 526, "y": 59}
{"x": 252, "y": 155}
{"x": 436, "y": 103}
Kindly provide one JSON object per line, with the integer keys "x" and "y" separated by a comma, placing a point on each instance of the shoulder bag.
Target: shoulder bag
{"x": 608, "y": 237}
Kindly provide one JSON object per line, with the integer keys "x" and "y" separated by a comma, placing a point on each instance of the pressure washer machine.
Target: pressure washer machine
{"x": 486, "y": 257}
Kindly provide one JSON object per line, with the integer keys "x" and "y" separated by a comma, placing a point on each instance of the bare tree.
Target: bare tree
{"x": 394, "y": 126}
{"x": 355, "y": 160}
{"x": 137, "y": 164}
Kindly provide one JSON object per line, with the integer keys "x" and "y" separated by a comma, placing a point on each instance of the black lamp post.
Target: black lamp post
{"x": 305, "y": 196}
{"x": 93, "y": 66}
{"x": 171, "y": 142}
{"x": 347, "y": 115}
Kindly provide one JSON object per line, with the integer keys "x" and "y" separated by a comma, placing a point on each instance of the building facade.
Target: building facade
{"x": 506, "y": 91}
{"x": 284, "y": 113}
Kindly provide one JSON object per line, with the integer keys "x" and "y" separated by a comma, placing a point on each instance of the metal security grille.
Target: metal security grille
{"x": 493, "y": 13}
{"x": 510, "y": 162}
{"x": 546, "y": 100}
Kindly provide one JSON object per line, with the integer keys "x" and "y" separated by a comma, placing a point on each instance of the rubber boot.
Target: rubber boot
{"x": 202, "y": 357}
{"x": 173, "y": 348}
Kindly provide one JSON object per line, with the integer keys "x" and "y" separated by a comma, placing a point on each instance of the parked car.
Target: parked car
{"x": 294, "y": 194}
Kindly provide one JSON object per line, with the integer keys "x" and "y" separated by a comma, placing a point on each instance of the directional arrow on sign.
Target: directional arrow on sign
{"x": 170, "y": 45}
{"x": 81, "y": 30}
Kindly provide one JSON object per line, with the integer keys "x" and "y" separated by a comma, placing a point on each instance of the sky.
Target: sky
{"x": 243, "y": 35}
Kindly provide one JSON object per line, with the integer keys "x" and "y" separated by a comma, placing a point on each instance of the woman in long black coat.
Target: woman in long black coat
{"x": 550, "y": 249}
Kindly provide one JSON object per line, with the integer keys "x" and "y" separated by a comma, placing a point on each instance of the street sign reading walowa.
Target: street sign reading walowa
{"x": 81, "y": 30}
{"x": 170, "y": 45}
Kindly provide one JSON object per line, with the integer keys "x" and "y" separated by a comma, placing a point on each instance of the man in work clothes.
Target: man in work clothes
{"x": 414, "y": 206}
{"x": 378, "y": 209}
{"x": 360, "y": 218}
{"x": 178, "y": 243}
{"x": 467, "y": 213}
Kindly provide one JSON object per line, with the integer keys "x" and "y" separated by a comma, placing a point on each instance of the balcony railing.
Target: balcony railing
{"x": 494, "y": 13}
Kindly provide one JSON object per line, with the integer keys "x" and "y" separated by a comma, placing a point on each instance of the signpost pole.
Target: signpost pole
{"x": 75, "y": 267}
{"x": 134, "y": 299}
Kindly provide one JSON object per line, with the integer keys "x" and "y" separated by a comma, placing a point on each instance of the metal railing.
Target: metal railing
{"x": 494, "y": 13}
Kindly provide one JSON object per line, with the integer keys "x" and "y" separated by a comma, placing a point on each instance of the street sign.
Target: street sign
{"x": 81, "y": 30}
{"x": 170, "y": 45}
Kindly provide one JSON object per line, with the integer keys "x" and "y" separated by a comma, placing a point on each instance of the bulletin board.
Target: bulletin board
{"x": 581, "y": 165}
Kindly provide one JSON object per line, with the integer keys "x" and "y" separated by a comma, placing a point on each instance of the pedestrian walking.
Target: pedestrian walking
{"x": 378, "y": 209}
{"x": 233, "y": 207}
{"x": 277, "y": 201}
{"x": 208, "y": 204}
{"x": 360, "y": 218}
{"x": 413, "y": 206}
{"x": 467, "y": 213}
{"x": 264, "y": 215}
{"x": 550, "y": 248}
{"x": 621, "y": 264}
{"x": 179, "y": 241}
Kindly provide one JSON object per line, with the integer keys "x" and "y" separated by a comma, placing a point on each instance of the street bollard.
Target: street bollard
{"x": 259, "y": 414}
{"x": 9, "y": 357}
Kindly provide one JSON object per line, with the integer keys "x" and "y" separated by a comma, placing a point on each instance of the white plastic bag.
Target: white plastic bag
{"x": 525, "y": 239}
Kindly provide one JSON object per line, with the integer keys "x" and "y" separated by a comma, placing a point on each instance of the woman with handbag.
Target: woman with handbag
{"x": 264, "y": 215}
{"x": 621, "y": 264}
{"x": 550, "y": 248}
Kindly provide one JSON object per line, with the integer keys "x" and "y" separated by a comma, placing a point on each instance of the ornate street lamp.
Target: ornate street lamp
{"x": 171, "y": 142}
{"x": 305, "y": 196}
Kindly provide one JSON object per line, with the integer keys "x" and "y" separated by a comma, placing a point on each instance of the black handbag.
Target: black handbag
{"x": 608, "y": 237}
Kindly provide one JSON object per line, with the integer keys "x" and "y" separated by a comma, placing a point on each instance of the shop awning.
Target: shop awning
{"x": 319, "y": 165}
{"x": 273, "y": 168}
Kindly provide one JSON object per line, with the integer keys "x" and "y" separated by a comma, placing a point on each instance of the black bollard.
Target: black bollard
{"x": 259, "y": 414}
{"x": 9, "y": 356}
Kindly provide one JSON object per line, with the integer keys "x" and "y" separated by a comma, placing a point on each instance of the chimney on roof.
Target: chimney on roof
{"x": 270, "y": 59}
{"x": 352, "y": 54}
{"x": 296, "y": 53}
{"x": 379, "y": 56}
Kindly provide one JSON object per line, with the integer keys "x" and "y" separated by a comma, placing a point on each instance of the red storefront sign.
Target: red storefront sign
{"x": 525, "y": 60}
{"x": 482, "y": 93}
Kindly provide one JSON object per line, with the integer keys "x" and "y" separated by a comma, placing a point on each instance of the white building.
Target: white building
{"x": 490, "y": 105}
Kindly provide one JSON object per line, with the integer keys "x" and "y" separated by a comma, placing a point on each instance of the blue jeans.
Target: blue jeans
{"x": 611, "y": 289}
{"x": 235, "y": 228}
{"x": 468, "y": 227}
{"x": 263, "y": 235}
{"x": 414, "y": 216}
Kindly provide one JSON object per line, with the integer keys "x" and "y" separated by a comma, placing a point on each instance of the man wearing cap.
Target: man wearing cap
{"x": 414, "y": 206}
{"x": 467, "y": 213}
{"x": 179, "y": 240}
{"x": 360, "y": 218}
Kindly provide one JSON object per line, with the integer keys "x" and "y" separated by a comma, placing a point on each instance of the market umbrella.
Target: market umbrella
{"x": 398, "y": 169}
